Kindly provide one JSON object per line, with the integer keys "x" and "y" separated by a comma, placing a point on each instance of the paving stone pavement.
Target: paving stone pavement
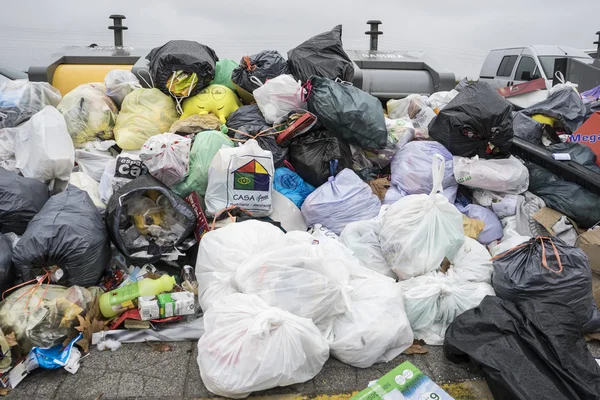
{"x": 135, "y": 371}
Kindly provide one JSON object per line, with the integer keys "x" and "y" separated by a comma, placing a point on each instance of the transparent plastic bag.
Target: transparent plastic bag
{"x": 88, "y": 185}
{"x": 418, "y": 231}
{"x": 119, "y": 83}
{"x": 249, "y": 346}
{"x": 362, "y": 237}
{"x": 472, "y": 263}
{"x": 21, "y": 99}
{"x": 415, "y": 106}
{"x": 167, "y": 157}
{"x": 505, "y": 175}
{"x": 278, "y": 96}
{"x": 92, "y": 160}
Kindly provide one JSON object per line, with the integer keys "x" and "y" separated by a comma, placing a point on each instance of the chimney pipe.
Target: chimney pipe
{"x": 118, "y": 28}
{"x": 374, "y": 33}
{"x": 598, "y": 43}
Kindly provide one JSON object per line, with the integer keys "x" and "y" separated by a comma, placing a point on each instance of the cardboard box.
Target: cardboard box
{"x": 172, "y": 304}
{"x": 589, "y": 242}
{"x": 148, "y": 308}
{"x": 405, "y": 382}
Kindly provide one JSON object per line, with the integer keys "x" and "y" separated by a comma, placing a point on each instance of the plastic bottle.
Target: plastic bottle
{"x": 122, "y": 299}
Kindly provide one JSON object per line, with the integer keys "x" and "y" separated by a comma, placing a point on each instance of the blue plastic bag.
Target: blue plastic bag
{"x": 292, "y": 186}
{"x": 53, "y": 357}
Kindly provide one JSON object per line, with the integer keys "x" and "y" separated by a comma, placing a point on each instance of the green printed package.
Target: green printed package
{"x": 405, "y": 382}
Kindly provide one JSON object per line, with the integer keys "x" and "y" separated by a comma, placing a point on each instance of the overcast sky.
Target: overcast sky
{"x": 456, "y": 33}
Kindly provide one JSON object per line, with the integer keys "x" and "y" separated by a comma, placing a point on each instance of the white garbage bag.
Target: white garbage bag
{"x": 167, "y": 157}
{"x": 92, "y": 160}
{"x": 249, "y": 346}
{"x": 504, "y": 175}
{"x": 278, "y": 96}
{"x": 362, "y": 237}
{"x": 301, "y": 278}
{"x": 414, "y": 106}
{"x": 119, "y": 83}
{"x": 376, "y": 329}
{"x": 440, "y": 100}
{"x": 43, "y": 148}
{"x": 433, "y": 301}
{"x": 243, "y": 177}
{"x": 8, "y": 138}
{"x": 343, "y": 199}
{"x": 88, "y": 185}
{"x": 511, "y": 239}
{"x": 286, "y": 213}
{"x": 472, "y": 263}
{"x": 118, "y": 173}
{"x": 223, "y": 250}
{"x": 418, "y": 231}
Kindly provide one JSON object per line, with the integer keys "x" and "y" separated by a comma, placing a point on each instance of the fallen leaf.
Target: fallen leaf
{"x": 11, "y": 339}
{"x": 161, "y": 347}
{"x": 92, "y": 322}
{"x": 100, "y": 396}
{"x": 416, "y": 348}
{"x": 4, "y": 391}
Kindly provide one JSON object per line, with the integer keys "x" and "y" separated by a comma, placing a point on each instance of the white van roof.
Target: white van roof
{"x": 547, "y": 50}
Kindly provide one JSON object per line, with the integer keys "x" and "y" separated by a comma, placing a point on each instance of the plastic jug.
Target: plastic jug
{"x": 122, "y": 299}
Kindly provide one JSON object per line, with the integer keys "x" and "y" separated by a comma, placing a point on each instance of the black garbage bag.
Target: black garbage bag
{"x": 352, "y": 114}
{"x": 527, "y": 129}
{"x": 311, "y": 153}
{"x": 267, "y": 64}
{"x": 249, "y": 122}
{"x": 581, "y": 154}
{"x": 477, "y": 122}
{"x": 117, "y": 218}
{"x": 6, "y": 266}
{"x": 20, "y": 200}
{"x": 565, "y": 197}
{"x": 564, "y": 105}
{"x": 527, "y": 350}
{"x": 182, "y": 55}
{"x": 548, "y": 268}
{"x": 69, "y": 233}
{"x": 322, "y": 55}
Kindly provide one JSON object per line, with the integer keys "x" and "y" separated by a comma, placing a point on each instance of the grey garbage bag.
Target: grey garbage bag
{"x": 565, "y": 197}
{"x": 581, "y": 154}
{"x": 527, "y": 128}
{"x": 547, "y": 268}
{"x": 68, "y": 233}
{"x": 20, "y": 200}
{"x": 117, "y": 219}
{"x": 6, "y": 267}
{"x": 347, "y": 111}
{"x": 21, "y": 99}
{"x": 564, "y": 105}
{"x": 322, "y": 55}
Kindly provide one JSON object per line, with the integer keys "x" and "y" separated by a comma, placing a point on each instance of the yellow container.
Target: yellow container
{"x": 542, "y": 119}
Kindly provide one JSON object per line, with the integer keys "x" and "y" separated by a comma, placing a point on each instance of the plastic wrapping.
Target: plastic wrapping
{"x": 432, "y": 302}
{"x": 376, "y": 329}
{"x": 311, "y": 155}
{"x": 542, "y": 343}
{"x": 21, "y": 99}
{"x": 547, "y": 268}
{"x": 167, "y": 157}
{"x": 418, "y": 231}
{"x": 242, "y": 177}
{"x": 291, "y": 185}
{"x": 144, "y": 113}
{"x": 43, "y": 148}
{"x": 44, "y": 315}
{"x": 182, "y": 55}
{"x": 249, "y": 346}
{"x": 278, "y": 96}
{"x": 477, "y": 122}
{"x": 322, "y": 55}
{"x": 206, "y": 145}
{"x": 68, "y": 233}
{"x": 267, "y": 64}
{"x": 343, "y": 199}
{"x": 362, "y": 237}
{"x": 20, "y": 200}
{"x": 353, "y": 114}
{"x": 118, "y": 209}
{"x": 89, "y": 113}
{"x": 119, "y": 83}
{"x": 411, "y": 169}
{"x": 505, "y": 175}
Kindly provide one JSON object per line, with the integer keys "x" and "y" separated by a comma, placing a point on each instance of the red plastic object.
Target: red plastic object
{"x": 300, "y": 124}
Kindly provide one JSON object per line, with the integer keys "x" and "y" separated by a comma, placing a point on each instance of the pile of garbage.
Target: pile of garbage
{"x": 279, "y": 215}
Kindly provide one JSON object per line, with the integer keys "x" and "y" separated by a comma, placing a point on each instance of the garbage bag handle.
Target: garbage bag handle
{"x": 306, "y": 91}
{"x": 561, "y": 78}
{"x": 544, "y": 259}
{"x": 437, "y": 173}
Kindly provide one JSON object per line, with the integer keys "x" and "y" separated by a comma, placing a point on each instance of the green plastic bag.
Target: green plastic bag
{"x": 144, "y": 113}
{"x": 223, "y": 72}
{"x": 206, "y": 145}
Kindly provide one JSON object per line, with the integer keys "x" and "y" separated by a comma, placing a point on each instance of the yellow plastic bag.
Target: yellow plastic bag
{"x": 216, "y": 99}
{"x": 89, "y": 113}
{"x": 181, "y": 83}
{"x": 144, "y": 113}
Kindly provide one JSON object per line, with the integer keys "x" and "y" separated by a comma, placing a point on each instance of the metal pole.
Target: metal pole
{"x": 374, "y": 34}
{"x": 118, "y": 28}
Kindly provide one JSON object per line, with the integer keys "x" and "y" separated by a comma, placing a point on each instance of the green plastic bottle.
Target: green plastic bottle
{"x": 122, "y": 299}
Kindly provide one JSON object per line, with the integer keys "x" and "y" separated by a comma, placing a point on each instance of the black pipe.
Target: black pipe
{"x": 374, "y": 33}
{"x": 118, "y": 28}
{"x": 598, "y": 43}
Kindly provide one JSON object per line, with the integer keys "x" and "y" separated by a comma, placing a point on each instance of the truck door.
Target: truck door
{"x": 504, "y": 74}
{"x": 527, "y": 70}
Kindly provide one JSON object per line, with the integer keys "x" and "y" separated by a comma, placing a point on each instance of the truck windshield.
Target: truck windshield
{"x": 548, "y": 63}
